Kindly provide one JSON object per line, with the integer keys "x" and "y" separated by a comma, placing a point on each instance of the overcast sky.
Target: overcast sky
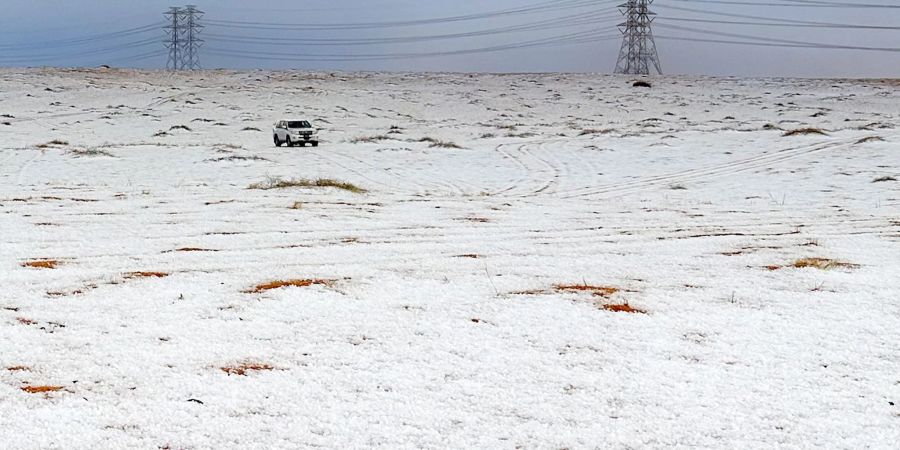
{"x": 23, "y": 22}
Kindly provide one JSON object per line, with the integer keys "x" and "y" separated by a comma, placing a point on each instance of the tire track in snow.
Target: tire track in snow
{"x": 757, "y": 162}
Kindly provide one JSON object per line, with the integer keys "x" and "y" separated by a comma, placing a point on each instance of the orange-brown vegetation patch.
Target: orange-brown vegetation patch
{"x": 41, "y": 389}
{"x": 277, "y": 284}
{"x": 599, "y": 291}
{"x": 25, "y": 321}
{"x": 146, "y": 275}
{"x": 823, "y": 264}
{"x": 626, "y": 308}
{"x": 41, "y": 264}
{"x": 243, "y": 368}
{"x": 816, "y": 263}
{"x": 18, "y": 369}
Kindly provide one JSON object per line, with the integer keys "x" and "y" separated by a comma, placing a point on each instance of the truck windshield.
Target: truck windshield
{"x": 300, "y": 124}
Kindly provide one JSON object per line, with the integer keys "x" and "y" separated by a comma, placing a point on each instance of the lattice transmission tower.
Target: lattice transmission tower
{"x": 192, "y": 41}
{"x": 173, "y": 35}
{"x": 638, "y": 55}
{"x": 183, "y": 37}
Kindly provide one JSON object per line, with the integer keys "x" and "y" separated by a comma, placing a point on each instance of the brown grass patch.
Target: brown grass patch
{"x": 278, "y": 284}
{"x": 822, "y": 264}
{"x": 146, "y": 275}
{"x": 19, "y": 369}
{"x": 41, "y": 264}
{"x": 802, "y": 131}
{"x": 468, "y": 255}
{"x": 599, "y": 291}
{"x": 279, "y": 183}
{"x": 41, "y": 389}
{"x": 25, "y": 321}
{"x": 243, "y": 368}
{"x": 626, "y": 308}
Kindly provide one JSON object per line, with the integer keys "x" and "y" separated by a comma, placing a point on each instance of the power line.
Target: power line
{"x": 572, "y": 38}
{"x": 796, "y": 4}
{"x": 96, "y": 51}
{"x": 742, "y": 16}
{"x": 539, "y": 7}
{"x": 85, "y": 39}
{"x": 764, "y": 39}
{"x": 781, "y": 24}
{"x": 566, "y": 22}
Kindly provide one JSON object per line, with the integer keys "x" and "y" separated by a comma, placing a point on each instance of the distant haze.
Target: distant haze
{"x": 26, "y": 21}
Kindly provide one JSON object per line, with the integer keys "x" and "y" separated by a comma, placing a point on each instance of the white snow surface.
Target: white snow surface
{"x": 682, "y": 196}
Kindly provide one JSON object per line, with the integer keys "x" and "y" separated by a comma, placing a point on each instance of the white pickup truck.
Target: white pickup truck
{"x": 294, "y": 132}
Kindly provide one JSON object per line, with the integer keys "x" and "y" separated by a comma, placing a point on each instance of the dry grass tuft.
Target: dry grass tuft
{"x": 599, "y": 291}
{"x": 146, "y": 275}
{"x": 884, "y": 179}
{"x": 589, "y": 131}
{"x": 278, "y": 284}
{"x": 822, "y": 263}
{"x": 369, "y": 139}
{"x": 42, "y": 264}
{"x": 802, "y": 131}
{"x": 626, "y": 308}
{"x": 194, "y": 249}
{"x": 444, "y": 144}
{"x": 25, "y": 321}
{"x": 870, "y": 139}
{"x": 279, "y": 183}
{"x": 468, "y": 255}
{"x": 243, "y": 368}
{"x": 52, "y": 143}
{"x": 19, "y": 369}
{"x": 90, "y": 152}
{"x": 41, "y": 389}
{"x": 297, "y": 205}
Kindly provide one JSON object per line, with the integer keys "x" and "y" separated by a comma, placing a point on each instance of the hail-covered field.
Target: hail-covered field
{"x": 506, "y": 261}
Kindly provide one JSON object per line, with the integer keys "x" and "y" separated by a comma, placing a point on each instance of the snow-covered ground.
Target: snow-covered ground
{"x": 439, "y": 314}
